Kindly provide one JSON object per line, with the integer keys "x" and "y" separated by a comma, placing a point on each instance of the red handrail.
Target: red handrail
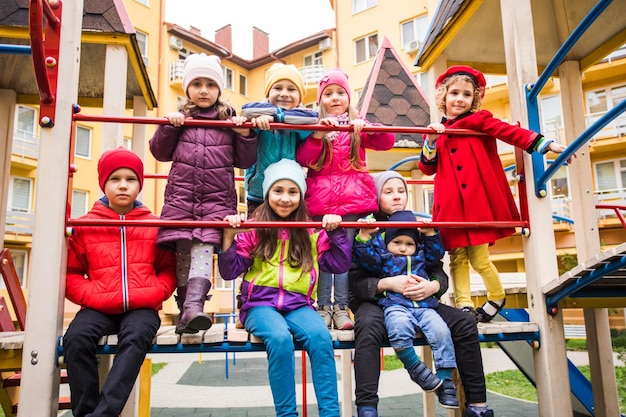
{"x": 288, "y": 126}
{"x": 617, "y": 208}
{"x": 266, "y": 224}
{"x": 45, "y": 46}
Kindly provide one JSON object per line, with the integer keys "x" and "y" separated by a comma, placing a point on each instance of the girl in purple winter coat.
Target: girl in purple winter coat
{"x": 201, "y": 182}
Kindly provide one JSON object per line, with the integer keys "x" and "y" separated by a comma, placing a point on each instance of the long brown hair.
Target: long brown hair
{"x": 355, "y": 144}
{"x": 300, "y": 253}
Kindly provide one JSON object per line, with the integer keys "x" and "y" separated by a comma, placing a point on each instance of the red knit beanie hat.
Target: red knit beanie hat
{"x": 116, "y": 159}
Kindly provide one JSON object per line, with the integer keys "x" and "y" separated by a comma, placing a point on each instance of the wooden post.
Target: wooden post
{"x": 599, "y": 347}
{"x": 539, "y": 248}
{"x": 114, "y": 100}
{"x": 39, "y": 391}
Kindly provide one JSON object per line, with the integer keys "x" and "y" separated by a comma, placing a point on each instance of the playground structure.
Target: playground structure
{"x": 545, "y": 292}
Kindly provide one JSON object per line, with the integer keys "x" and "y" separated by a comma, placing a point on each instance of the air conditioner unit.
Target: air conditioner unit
{"x": 325, "y": 44}
{"x": 413, "y": 46}
{"x": 176, "y": 43}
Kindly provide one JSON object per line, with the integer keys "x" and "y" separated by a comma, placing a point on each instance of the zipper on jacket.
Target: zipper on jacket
{"x": 281, "y": 276}
{"x": 124, "y": 257}
{"x": 408, "y": 273}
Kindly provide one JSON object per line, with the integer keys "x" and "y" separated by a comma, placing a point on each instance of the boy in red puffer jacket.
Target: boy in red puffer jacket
{"x": 120, "y": 279}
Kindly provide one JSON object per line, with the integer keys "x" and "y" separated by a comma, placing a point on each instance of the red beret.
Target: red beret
{"x": 116, "y": 159}
{"x": 477, "y": 77}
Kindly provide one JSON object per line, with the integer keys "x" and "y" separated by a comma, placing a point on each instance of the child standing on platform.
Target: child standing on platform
{"x": 120, "y": 279}
{"x": 284, "y": 92}
{"x": 406, "y": 251}
{"x": 201, "y": 181}
{"x": 280, "y": 267}
{"x": 470, "y": 184}
{"x": 338, "y": 181}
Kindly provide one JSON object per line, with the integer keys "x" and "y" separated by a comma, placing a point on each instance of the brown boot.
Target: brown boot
{"x": 193, "y": 317}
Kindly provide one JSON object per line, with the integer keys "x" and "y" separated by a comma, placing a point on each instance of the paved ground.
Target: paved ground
{"x": 197, "y": 385}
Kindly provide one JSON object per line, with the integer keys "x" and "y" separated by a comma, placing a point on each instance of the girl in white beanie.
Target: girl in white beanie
{"x": 201, "y": 182}
{"x": 280, "y": 268}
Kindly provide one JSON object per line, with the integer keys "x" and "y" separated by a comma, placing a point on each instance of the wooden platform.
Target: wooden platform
{"x": 219, "y": 339}
{"x": 598, "y": 283}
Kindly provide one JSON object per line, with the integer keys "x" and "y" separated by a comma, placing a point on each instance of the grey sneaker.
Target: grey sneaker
{"x": 341, "y": 318}
{"x": 326, "y": 314}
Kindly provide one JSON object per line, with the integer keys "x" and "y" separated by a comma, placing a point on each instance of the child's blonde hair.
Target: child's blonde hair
{"x": 442, "y": 90}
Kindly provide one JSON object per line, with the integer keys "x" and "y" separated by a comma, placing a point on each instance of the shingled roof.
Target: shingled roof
{"x": 391, "y": 96}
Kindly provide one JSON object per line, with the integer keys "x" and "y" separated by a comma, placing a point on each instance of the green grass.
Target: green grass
{"x": 156, "y": 367}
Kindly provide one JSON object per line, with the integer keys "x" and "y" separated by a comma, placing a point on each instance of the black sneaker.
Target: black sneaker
{"x": 471, "y": 413}
{"x": 447, "y": 394}
{"x": 422, "y": 376}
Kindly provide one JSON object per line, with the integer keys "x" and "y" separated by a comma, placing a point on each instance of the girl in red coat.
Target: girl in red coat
{"x": 470, "y": 184}
{"x": 120, "y": 279}
{"x": 338, "y": 181}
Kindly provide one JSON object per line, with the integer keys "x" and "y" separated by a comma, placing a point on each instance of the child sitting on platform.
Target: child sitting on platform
{"x": 120, "y": 279}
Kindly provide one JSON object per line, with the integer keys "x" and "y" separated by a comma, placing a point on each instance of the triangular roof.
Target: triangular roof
{"x": 391, "y": 96}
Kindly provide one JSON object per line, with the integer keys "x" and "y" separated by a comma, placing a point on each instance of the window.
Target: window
{"x": 560, "y": 193}
{"x": 360, "y": 5}
{"x": 142, "y": 41}
{"x": 365, "y": 48}
{"x": 413, "y": 32}
{"x": 601, "y": 101}
{"x": 551, "y": 117}
{"x": 25, "y": 123}
{"x": 127, "y": 143}
{"x": 243, "y": 85}
{"x": 20, "y": 194}
{"x": 83, "y": 142}
{"x": 611, "y": 179}
{"x": 422, "y": 81}
{"x": 144, "y": 2}
{"x": 429, "y": 200}
{"x": 229, "y": 78}
{"x": 313, "y": 60}
{"x": 80, "y": 202}
{"x": 20, "y": 261}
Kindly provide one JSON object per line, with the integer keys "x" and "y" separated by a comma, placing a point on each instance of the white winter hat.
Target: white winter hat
{"x": 285, "y": 169}
{"x": 202, "y": 66}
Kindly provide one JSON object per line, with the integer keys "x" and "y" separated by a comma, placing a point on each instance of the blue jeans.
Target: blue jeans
{"x": 402, "y": 324}
{"x": 325, "y": 280}
{"x": 277, "y": 330}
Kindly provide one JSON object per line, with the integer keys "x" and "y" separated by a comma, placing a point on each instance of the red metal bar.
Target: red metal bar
{"x": 617, "y": 208}
{"x": 240, "y": 178}
{"x": 45, "y": 54}
{"x": 228, "y": 123}
{"x": 304, "y": 408}
{"x": 266, "y": 224}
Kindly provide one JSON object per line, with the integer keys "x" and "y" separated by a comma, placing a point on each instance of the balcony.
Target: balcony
{"x": 615, "y": 128}
{"x": 20, "y": 224}
{"x": 175, "y": 72}
{"x": 25, "y": 149}
{"x": 312, "y": 74}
